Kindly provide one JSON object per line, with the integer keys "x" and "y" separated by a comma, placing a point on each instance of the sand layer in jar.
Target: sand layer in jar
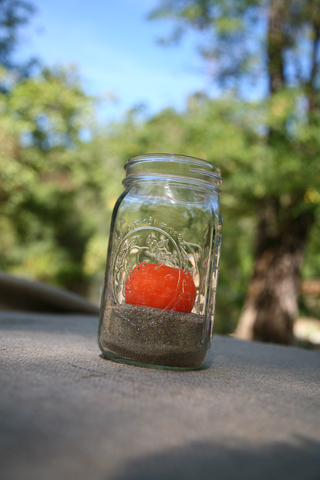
{"x": 149, "y": 335}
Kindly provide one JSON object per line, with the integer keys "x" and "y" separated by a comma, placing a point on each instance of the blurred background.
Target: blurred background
{"x": 83, "y": 87}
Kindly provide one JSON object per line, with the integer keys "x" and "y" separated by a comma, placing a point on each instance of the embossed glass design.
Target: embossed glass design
{"x": 158, "y": 299}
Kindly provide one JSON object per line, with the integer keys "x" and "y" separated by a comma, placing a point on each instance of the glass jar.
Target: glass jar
{"x": 158, "y": 300}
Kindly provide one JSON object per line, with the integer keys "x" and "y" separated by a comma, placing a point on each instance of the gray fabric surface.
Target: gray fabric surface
{"x": 66, "y": 413}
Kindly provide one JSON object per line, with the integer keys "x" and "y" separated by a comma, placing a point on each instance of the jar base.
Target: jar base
{"x": 119, "y": 359}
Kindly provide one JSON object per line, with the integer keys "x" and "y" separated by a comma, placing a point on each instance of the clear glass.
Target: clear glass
{"x": 158, "y": 300}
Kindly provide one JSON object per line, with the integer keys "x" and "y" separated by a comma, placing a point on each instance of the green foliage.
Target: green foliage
{"x": 45, "y": 229}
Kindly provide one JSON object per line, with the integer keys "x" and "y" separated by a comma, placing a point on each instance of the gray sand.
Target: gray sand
{"x": 149, "y": 335}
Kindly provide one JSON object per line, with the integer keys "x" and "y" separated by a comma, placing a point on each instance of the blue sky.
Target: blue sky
{"x": 115, "y": 48}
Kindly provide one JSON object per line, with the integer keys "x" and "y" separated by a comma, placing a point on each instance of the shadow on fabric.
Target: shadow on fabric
{"x": 208, "y": 461}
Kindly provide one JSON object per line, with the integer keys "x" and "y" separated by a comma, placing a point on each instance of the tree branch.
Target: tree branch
{"x": 276, "y": 42}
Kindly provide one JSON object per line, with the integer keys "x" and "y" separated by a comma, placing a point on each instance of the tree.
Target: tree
{"x": 44, "y": 230}
{"x": 13, "y": 15}
{"x": 55, "y": 188}
{"x": 276, "y": 44}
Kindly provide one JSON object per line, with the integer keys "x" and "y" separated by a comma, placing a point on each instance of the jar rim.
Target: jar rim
{"x": 166, "y": 165}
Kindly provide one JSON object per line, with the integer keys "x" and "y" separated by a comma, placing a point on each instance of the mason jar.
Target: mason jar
{"x": 158, "y": 300}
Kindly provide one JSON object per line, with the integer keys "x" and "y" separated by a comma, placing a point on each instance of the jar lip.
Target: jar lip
{"x": 192, "y": 167}
{"x": 173, "y": 157}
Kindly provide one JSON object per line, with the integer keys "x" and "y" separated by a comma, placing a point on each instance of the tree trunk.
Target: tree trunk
{"x": 277, "y": 14}
{"x": 272, "y": 302}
